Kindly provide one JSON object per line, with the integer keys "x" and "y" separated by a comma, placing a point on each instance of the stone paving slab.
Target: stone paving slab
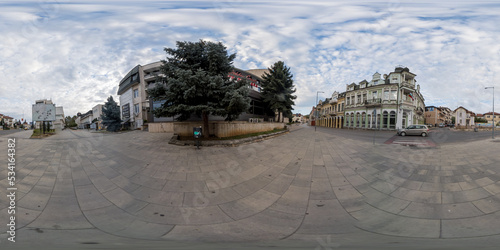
{"x": 298, "y": 185}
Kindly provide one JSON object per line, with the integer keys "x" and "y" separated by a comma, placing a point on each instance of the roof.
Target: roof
{"x": 490, "y": 113}
{"x": 258, "y": 72}
{"x": 126, "y": 82}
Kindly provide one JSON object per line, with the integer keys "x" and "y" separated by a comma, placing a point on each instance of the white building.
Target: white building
{"x": 59, "y": 122}
{"x": 463, "y": 117}
{"x": 97, "y": 113}
{"x": 391, "y": 102}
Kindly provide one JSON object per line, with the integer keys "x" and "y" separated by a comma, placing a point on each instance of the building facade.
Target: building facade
{"x": 492, "y": 118}
{"x": 137, "y": 108}
{"x": 331, "y": 111}
{"x": 60, "y": 122}
{"x": 437, "y": 115}
{"x": 463, "y": 117}
{"x": 96, "y": 114}
{"x": 391, "y": 102}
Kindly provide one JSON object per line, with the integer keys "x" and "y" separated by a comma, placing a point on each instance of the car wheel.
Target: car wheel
{"x": 424, "y": 134}
{"x": 403, "y": 134}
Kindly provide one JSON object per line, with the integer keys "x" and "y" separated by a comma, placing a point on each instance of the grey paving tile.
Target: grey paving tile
{"x": 249, "y": 205}
{"x": 320, "y": 220}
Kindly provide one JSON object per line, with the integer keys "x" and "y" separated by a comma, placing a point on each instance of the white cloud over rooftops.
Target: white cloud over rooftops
{"x": 77, "y": 52}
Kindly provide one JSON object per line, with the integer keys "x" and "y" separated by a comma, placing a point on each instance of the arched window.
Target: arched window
{"x": 363, "y": 120}
{"x": 392, "y": 120}
{"x": 347, "y": 116}
{"x": 370, "y": 120}
{"x": 384, "y": 119}
{"x": 357, "y": 120}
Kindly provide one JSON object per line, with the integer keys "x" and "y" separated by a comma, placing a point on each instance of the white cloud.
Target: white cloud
{"x": 76, "y": 53}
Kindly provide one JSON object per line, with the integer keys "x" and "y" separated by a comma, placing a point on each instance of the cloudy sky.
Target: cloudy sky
{"x": 76, "y": 52}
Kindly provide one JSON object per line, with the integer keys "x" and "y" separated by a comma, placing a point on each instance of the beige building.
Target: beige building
{"x": 134, "y": 102}
{"x": 437, "y": 115}
{"x": 490, "y": 117}
{"x": 331, "y": 111}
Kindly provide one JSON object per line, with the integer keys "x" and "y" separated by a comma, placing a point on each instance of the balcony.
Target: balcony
{"x": 408, "y": 85}
{"x": 333, "y": 100}
{"x": 375, "y": 102}
{"x": 419, "y": 111}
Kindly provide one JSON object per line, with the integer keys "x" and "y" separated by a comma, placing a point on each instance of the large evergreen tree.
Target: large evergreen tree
{"x": 111, "y": 115}
{"x": 196, "y": 82}
{"x": 278, "y": 89}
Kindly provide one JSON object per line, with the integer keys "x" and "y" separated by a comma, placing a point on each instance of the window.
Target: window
{"x": 348, "y": 100}
{"x": 136, "y": 93}
{"x": 392, "y": 121}
{"x": 375, "y": 94}
{"x": 386, "y": 95}
{"x": 136, "y": 108}
{"x": 359, "y": 99}
{"x": 394, "y": 94}
{"x": 384, "y": 119}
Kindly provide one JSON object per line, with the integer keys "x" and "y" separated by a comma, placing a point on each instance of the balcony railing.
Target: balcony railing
{"x": 373, "y": 102}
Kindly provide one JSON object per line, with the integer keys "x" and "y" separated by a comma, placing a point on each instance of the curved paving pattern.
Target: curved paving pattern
{"x": 293, "y": 186}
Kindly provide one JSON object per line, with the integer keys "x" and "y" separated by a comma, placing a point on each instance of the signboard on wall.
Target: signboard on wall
{"x": 43, "y": 112}
{"x": 126, "y": 111}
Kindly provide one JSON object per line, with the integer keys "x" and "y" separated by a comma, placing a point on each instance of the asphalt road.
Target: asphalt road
{"x": 438, "y": 136}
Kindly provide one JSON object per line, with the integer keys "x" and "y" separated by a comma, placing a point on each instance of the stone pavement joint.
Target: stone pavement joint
{"x": 293, "y": 186}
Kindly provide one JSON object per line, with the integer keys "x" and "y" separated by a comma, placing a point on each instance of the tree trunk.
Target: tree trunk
{"x": 206, "y": 133}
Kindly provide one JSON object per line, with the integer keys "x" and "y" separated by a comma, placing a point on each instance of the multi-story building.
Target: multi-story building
{"x": 134, "y": 104}
{"x": 463, "y": 117}
{"x": 60, "y": 122}
{"x": 97, "y": 113}
{"x": 437, "y": 115}
{"x": 8, "y": 121}
{"x": 331, "y": 111}
{"x": 84, "y": 121}
{"x": 445, "y": 115}
{"x": 391, "y": 102}
{"x": 492, "y": 118}
{"x": 137, "y": 107}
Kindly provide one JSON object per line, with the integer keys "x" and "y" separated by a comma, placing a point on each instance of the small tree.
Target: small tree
{"x": 111, "y": 115}
{"x": 278, "y": 89}
{"x": 196, "y": 82}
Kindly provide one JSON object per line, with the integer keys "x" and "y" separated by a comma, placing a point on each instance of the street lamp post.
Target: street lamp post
{"x": 493, "y": 130}
{"x": 316, "y": 110}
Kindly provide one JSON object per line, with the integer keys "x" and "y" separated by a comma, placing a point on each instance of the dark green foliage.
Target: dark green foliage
{"x": 111, "y": 115}
{"x": 70, "y": 121}
{"x": 196, "y": 82}
{"x": 278, "y": 89}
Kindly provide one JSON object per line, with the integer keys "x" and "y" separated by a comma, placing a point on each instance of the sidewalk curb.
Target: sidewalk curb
{"x": 225, "y": 143}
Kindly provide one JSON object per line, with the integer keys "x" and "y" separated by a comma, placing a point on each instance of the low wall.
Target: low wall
{"x": 163, "y": 127}
{"x": 217, "y": 128}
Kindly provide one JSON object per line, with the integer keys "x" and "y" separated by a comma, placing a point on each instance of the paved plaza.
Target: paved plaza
{"x": 303, "y": 190}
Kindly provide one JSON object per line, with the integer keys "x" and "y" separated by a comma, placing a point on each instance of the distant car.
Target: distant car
{"x": 422, "y": 130}
{"x": 441, "y": 125}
